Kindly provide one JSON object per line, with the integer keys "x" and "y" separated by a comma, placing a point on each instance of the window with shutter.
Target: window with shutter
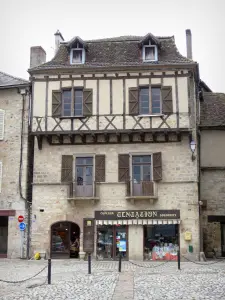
{"x": 67, "y": 168}
{"x": 0, "y": 176}
{"x": 2, "y": 124}
{"x": 123, "y": 168}
{"x": 56, "y": 104}
{"x": 167, "y": 100}
{"x": 157, "y": 166}
{"x": 100, "y": 168}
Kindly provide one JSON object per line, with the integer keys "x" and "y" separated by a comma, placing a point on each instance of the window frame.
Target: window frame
{"x": 150, "y": 113}
{"x": 75, "y": 156}
{"x": 1, "y": 175}
{"x": 84, "y": 166}
{"x": 72, "y": 90}
{"x": 149, "y": 46}
{"x": 142, "y": 164}
{"x": 77, "y": 48}
{"x": 2, "y": 134}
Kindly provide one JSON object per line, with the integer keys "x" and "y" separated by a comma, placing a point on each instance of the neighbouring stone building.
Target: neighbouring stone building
{"x": 14, "y": 106}
{"x": 212, "y": 163}
{"x": 113, "y": 120}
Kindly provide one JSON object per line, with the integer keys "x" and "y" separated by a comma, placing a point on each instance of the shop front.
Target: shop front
{"x": 148, "y": 234}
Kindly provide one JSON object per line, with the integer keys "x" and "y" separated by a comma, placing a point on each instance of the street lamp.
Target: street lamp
{"x": 193, "y": 147}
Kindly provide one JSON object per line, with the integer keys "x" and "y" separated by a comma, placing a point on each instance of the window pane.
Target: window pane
{"x": 67, "y": 103}
{"x": 67, "y": 113}
{"x": 77, "y": 56}
{"x": 78, "y": 102}
{"x": 136, "y": 159}
{"x": 88, "y": 178}
{"x": 156, "y": 110}
{"x": 146, "y": 158}
{"x": 80, "y": 175}
{"x": 78, "y": 93}
{"x": 144, "y": 101}
{"x": 146, "y": 173}
{"x": 136, "y": 174}
{"x": 78, "y": 112}
{"x": 80, "y": 161}
{"x": 149, "y": 53}
{"x": 89, "y": 160}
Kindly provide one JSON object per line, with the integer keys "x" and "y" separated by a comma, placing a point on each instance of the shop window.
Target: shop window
{"x": 160, "y": 242}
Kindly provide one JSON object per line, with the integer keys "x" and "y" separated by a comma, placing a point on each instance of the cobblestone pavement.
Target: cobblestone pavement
{"x": 138, "y": 281}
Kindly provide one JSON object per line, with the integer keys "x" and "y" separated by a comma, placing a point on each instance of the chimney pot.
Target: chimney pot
{"x": 37, "y": 56}
{"x": 58, "y": 39}
{"x": 189, "y": 43}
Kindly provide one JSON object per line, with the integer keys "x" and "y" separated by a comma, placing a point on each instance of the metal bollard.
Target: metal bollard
{"x": 49, "y": 270}
{"x": 89, "y": 263}
{"x": 178, "y": 259}
{"x": 120, "y": 262}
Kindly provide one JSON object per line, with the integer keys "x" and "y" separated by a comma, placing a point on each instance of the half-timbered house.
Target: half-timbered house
{"x": 113, "y": 120}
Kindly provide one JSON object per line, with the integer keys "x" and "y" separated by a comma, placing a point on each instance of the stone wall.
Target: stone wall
{"x": 177, "y": 190}
{"x": 11, "y": 101}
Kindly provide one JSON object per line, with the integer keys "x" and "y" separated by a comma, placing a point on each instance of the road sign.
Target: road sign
{"x": 20, "y": 218}
{"x": 22, "y": 226}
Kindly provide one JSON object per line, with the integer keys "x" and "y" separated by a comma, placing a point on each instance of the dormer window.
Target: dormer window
{"x": 149, "y": 52}
{"x": 77, "y": 54}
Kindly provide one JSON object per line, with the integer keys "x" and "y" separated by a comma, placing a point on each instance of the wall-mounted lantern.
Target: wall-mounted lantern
{"x": 193, "y": 147}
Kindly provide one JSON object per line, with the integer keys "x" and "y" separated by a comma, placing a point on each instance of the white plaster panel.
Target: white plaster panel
{"x": 78, "y": 83}
{"x": 104, "y": 97}
{"x": 183, "y": 94}
{"x": 144, "y": 81}
{"x": 39, "y": 99}
{"x": 67, "y": 83}
{"x": 155, "y": 81}
{"x": 117, "y": 96}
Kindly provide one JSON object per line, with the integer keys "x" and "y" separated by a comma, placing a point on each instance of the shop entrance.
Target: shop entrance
{"x": 65, "y": 240}
{"x": 3, "y": 236}
{"x": 161, "y": 242}
{"x": 111, "y": 241}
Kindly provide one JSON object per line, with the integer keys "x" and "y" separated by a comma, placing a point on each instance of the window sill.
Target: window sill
{"x": 150, "y": 198}
{"x": 150, "y": 115}
{"x": 72, "y": 117}
{"x": 79, "y": 198}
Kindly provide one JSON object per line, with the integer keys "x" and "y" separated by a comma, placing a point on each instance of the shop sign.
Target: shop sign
{"x": 88, "y": 235}
{"x": 136, "y": 214}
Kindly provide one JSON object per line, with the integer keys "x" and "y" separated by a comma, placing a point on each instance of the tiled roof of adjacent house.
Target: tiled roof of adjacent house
{"x": 118, "y": 51}
{"x": 7, "y": 81}
{"x": 213, "y": 109}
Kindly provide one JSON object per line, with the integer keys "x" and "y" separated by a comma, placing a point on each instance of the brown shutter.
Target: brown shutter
{"x": 87, "y": 102}
{"x": 167, "y": 100}
{"x": 56, "y": 104}
{"x": 133, "y": 101}
{"x": 157, "y": 166}
{"x": 67, "y": 168}
{"x": 123, "y": 168}
{"x": 100, "y": 168}
{"x": 148, "y": 188}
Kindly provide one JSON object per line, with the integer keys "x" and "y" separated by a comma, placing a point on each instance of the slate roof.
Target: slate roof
{"x": 7, "y": 81}
{"x": 213, "y": 110}
{"x": 118, "y": 51}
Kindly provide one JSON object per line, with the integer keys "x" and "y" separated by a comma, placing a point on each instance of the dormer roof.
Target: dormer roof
{"x": 150, "y": 37}
{"x": 74, "y": 41}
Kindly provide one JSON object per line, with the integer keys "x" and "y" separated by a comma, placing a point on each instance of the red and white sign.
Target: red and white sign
{"x": 20, "y": 218}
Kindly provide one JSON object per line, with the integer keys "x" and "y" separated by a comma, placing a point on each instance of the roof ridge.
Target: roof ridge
{"x": 14, "y": 77}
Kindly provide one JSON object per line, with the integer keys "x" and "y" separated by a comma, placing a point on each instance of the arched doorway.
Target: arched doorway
{"x": 64, "y": 237}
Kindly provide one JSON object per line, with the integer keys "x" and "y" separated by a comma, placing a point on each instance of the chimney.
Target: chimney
{"x": 37, "y": 56}
{"x": 58, "y": 39}
{"x": 189, "y": 43}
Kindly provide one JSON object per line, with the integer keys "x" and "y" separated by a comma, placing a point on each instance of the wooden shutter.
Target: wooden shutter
{"x": 100, "y": 168}
{"x": 56, "y": 104}
{"x": 157, "y": 166}
{"x": 0, "y": 176}
{"x": 2, "y": 123}
{"x": 123, "y": 168}
{"x": 148, "y": 188}
{"x": 87, "y": 102}
{"x": 133, "y": 101}
{"x": 167, "y": 100}
{"x": 67, "y": 168}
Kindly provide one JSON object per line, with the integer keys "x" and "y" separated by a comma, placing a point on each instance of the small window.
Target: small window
{"x": 150, "y": 105}
{"x": 77, "y": 55}
{"x": 150, "y": 53}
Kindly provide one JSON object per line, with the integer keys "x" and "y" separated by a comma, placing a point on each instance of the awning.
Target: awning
{"x": 137, "y": 222}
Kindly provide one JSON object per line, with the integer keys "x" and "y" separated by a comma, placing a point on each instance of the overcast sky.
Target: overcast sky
{"x": 26, "y": 23}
